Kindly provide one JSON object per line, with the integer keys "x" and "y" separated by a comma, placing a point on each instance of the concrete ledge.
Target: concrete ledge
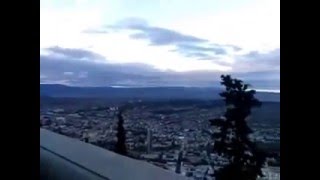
{"x": 62, "y": 157}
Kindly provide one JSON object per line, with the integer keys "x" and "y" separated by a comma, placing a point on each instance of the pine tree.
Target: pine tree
{"x": 121, "y": 136}
{"x": 231, "y": 139}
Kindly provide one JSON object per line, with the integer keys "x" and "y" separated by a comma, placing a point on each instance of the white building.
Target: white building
{"x": 271, "y": 173}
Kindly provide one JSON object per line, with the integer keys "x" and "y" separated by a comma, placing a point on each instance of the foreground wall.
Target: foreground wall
{"x": 66, "y": 158}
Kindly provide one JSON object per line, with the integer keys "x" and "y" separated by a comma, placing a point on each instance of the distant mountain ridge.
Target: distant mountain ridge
{"x": 150, "y": 93}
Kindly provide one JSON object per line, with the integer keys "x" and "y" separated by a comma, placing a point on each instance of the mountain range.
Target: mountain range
{"x": 144, "y": 93}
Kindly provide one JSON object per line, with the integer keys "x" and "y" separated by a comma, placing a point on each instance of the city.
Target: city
{"x": 167, "y": 88}
{"x": 176, "y": 137}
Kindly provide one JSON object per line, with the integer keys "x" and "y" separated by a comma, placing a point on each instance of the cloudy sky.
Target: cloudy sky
{"x": 159, "y": 42}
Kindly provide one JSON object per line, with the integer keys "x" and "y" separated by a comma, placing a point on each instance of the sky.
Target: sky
{"x": 159, "y": 42}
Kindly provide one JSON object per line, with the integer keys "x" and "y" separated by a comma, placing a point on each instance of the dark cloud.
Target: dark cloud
{"x": 131, "y": 22}
{"x": 198, "y": 55}
{"x": 232, "y": 47}
{"x": 72, "y": 71}
{"x": 272, "y": 57}
{"x": 259, "y": 61}
{"x": 160, "y": 36}
{"x": 88, "y": 73}
{"x": 201, "y": 52}
{"x": 262, "y": 80}
{"x": 235, "y": 48}
{"x": 64, "y": 70}
{"x": 156, "y": 35}
{"x": 186, "y": 45}
{"x": 219, "y": 50}
{"x": 78, "y": 54}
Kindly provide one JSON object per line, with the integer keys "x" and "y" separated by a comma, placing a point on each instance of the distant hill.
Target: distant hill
{"x": 268, "y": 113}
{"x": 144, "y": 93}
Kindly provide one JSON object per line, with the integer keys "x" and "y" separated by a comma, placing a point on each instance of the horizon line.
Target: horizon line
{"x": 119, "y": 86}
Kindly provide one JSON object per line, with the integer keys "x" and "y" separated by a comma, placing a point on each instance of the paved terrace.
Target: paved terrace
{"x": 62, "y": 157}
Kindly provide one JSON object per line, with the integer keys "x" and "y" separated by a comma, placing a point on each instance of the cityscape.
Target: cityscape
{"x": 176, "y": 137}
{"x": 182, "y": 89}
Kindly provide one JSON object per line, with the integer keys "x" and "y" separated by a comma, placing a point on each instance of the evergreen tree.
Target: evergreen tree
{"x": 231, "y": 138}
{"x": 121, "y": 136}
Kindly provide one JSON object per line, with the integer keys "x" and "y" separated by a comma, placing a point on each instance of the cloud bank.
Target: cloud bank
{"x": 78, "y": 67}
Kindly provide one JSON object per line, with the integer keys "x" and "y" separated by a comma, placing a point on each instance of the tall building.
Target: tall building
{"x": 208, "y": 148}
{"x": 149, "y": 141}
{"x": 179, "y": 161}
{"x": 184, "y": 144}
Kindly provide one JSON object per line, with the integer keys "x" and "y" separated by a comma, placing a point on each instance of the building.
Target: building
{"x": 179, "y": 162}
{"x": 149, "y": 141}
{"x": 271, "y": 173}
